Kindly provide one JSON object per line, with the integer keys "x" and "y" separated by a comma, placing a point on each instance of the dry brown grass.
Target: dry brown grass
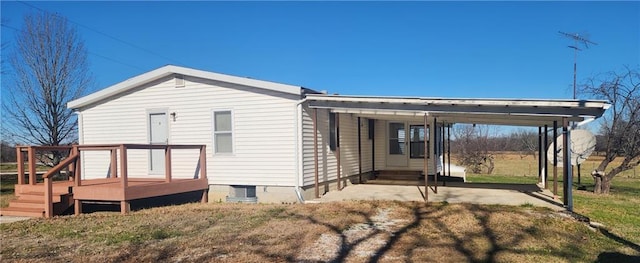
{"x": 437, "y": 232}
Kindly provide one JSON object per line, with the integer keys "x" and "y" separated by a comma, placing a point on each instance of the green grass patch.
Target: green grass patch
{"x": 502, "y": 179}
{"x": 7, "y": 189}
{"x": 618, "y": 211}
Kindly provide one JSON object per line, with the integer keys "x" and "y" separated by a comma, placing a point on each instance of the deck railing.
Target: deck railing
{"x": 73, "y": 164}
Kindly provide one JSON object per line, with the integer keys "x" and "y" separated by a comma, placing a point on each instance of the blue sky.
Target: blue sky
{"x": 432, "y": 49}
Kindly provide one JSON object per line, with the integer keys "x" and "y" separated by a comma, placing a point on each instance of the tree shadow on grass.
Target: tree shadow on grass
{"x": 616, "y": 257}
{"x": 433, "y": 232}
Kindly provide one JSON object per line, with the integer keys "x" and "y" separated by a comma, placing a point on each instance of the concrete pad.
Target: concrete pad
{"x": 11, "y": 219}
{"x": 500, "y": 194}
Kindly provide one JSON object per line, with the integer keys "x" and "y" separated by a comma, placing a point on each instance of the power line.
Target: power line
{"x": 106, "y": 35}
{"x": 89, "y": 52}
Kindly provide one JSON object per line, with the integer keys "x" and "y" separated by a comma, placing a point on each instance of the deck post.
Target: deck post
{"x": 555, "y": 160}
{"x": 435, "y": 158}
{"x": 48, "y": 197}
{"x": 315, "y": 151}
{"x": 338, "y": 151}
{"x": 125, "y": 207}
{"x": 71, "y": 168}
{"x": 123, "y": 166}
{"x": 426, "y": 163}
{"x": 203, "y": 172}
{"x": 20, "y": 160}
{"x": 78, "y": 169}
{"x": 77, "y": 207}
{"x": 114, "y": 164}
{"x": 31, "y": 151}
{"x": 203, "y": 162}
{"x": 167, "y": 163}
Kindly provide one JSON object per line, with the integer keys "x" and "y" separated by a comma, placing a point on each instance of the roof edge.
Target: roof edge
{"x": 172, "y": 69}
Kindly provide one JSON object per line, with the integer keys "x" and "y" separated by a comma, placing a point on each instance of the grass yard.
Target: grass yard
{"x": 618, "y": 211}
{"x": 346, "y": 231}
{"x": 366, "y": 231}
{"x": 7, "y": 184}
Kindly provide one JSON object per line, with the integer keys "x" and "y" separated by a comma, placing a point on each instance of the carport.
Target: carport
{"x": 442, "y": 113}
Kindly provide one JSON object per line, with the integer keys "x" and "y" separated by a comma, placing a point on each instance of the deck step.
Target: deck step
{"x": 20, "y": 211}
{"x": 39, "y": 196}
{"x": 21, "y": 203}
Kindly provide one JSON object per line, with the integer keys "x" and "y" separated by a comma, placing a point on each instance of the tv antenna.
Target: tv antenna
{"x": 578, "y": 39}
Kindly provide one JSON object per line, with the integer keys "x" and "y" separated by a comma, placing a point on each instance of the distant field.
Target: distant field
{"x": 513, "y": 164}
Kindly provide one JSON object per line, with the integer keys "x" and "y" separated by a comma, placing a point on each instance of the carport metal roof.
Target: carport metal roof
{"x": 519, "y": 112}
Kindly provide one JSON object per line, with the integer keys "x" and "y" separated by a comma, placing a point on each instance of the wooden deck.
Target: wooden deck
{"x": 110, "y": 189}
{"x": 51, "y": 198}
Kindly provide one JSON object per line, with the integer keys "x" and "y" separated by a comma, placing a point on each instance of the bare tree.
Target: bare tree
{"x": 526, "y": 142}
{"x": 621, "y": 123}
{"x": 49, "y": 68}
{"x": 473, "y": 145}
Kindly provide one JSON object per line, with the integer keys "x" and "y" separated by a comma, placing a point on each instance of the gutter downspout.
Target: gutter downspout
{"x": 298, "y": 116}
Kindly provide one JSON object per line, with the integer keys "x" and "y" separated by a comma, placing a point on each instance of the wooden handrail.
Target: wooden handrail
{"x": 45, "y": 148}
{"x": 48, "y": 183}
{"x": 66, "y": 162}
{"x": 74, "y": 164}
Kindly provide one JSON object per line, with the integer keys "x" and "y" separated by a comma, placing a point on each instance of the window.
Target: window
{"x": 417, "y": 136}
{"x": 333, "y": 132}
{"x": 222, "y": 132}
{"x": 397, "y": 139}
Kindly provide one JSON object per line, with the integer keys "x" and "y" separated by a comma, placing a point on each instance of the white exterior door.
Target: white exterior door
{"x": 397, "y": 145}
{"x": 158, "y": 134}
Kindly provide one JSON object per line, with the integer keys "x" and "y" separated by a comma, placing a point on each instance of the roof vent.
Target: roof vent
{"x": 242, "y": 194}
{"x": 180, "y": 81}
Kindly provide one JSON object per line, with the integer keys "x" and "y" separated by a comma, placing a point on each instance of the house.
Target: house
{"x": 282, "y": 143}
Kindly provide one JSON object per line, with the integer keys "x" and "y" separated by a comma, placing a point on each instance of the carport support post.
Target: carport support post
{"x": 359, "y": 152}
{"x": 539, "y": 154}
{"x": 566, "y": 166}
{"x": 449, "y": 149}
{"x": 338, "y": 150}
{"x": 315, "y": 151}
{"x": 444, "y": 182}
{"x": 546, "y": 157}
{"x": 555, "y": 160}
{"x": 426, "y": 164}
{"x": 435, "y": 158}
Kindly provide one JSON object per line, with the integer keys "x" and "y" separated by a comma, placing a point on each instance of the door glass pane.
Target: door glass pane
{"x": 396, "y": 138}
{"x": 223, "y": 143}
{"x": 417, "y": 138}
{"x": 222, "y": 121}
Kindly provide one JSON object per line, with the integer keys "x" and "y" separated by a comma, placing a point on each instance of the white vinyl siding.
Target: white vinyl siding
{"x": 263, "y": 130}
{"x": 327, "y": 161}
{"x": 365, "y": 143}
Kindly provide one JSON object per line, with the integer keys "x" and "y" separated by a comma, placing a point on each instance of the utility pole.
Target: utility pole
{"x": 577, "y": 38}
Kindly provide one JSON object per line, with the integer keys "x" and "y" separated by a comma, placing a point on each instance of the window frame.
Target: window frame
{"x": 214, "y": 133}
{"x": 425, "y": 141}
{"x": 334, "y": 142}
